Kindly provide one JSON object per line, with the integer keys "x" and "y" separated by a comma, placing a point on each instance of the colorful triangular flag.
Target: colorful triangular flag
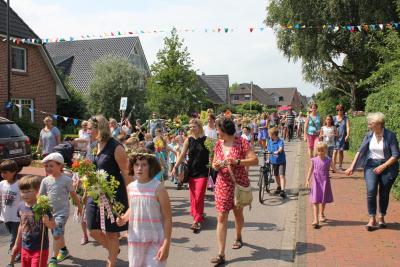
{"x": 76, "y": 122}
{"x": 65, "y": 118}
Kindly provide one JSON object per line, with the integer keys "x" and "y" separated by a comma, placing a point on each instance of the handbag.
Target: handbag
{"x": 346, "y": 145}
{"x": 243, "y": 196}
{"x": 185, "y": 170}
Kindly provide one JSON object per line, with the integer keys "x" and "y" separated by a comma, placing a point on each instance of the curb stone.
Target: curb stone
{"x": 288, "y": 248}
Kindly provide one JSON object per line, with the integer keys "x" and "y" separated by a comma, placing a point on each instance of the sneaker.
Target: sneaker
{"x": 62, "y": 255}
{"x": 278, "y": 190}
{"x": 282, "y": 194}
{"x": 179, "y": 186}
{"x": 52, "y": 262}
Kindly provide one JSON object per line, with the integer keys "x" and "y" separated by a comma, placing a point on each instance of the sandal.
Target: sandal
{"x": 84, "y": 241}
{"x": 237, "y": 244}
{"x": 382, "y": 223}
{"x": 218, "y": 260}
{"x": 322, "y": 218}
{"x": 316, "y": 226}
{"x": 197, "y": 228}
{"x": 193, "y": 226}
{"x": 371, "y": 228}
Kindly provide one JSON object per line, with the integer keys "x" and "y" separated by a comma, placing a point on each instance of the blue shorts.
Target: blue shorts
{"x": 59, "y": 230}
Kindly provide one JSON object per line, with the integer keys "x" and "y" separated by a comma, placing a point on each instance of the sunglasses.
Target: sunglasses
{"x": 339, "y": 110}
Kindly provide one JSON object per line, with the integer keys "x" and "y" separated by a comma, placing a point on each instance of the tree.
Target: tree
{"x": 76, "y": 105}
{"x": 233, "y": 87}
{"x": 115, "y": 78}
{"x": 333, "y": 59}
{"x": 174, "y": 87}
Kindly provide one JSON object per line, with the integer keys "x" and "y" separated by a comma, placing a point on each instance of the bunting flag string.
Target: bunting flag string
{"x": 366, "y": 28}
{"x": 75, "y": 121}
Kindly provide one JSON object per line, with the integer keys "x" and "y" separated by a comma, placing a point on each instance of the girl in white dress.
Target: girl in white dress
{"x": 149, "y": 214}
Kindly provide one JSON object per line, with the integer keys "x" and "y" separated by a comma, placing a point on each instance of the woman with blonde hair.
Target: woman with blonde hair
{"x": 49, "y": 137}
{"x": 110, "y": 156}
{"x": 198, "y": 170}
{"x": 379, "y": 156}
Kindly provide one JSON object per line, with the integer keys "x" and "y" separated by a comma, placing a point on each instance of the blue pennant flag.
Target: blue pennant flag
{"x": 297, "y": 26}
{"x": 9, "y": 105}
{"x": 55, "y": 116}
{"x": 76, "y": 122}
{"x": 31, "y": 110}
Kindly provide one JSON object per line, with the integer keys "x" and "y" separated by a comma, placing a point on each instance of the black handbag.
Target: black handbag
{"x": 346, "y": 145}
{"x": 185, "y": 170}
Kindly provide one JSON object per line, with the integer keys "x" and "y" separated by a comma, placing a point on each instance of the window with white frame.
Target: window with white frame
{"x": 23, "y": 108}
{"x": 235, "y": 97}
{"x": 18, "y": 59}
{"x": 247, "y": 97}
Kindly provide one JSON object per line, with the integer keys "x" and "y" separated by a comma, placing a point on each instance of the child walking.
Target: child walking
{"x": 149, "y": 214}
{"x": 276, "y": 147}
{"x": 30, "y": 231}
{"x": 328, "y": 134}
{"x": 9, "y": 202}
{"x": 321, "y": 191}
{"x": 58, "y": 187}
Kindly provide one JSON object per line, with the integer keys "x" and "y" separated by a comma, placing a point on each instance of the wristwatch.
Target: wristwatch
{"x": 238, "y": 162}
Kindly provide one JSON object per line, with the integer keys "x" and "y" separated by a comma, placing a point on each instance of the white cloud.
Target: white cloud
{"x": 243, "y": 55}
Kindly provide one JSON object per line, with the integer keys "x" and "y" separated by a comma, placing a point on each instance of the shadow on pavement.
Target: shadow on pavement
{"x": 305, "y": 248}
{"x": 261, "y": 253}
{"x": 339, "y": 223}
{"x": 76, "y": 262}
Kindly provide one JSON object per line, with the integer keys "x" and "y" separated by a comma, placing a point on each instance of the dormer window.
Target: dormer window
{"x": 281, "y": 98}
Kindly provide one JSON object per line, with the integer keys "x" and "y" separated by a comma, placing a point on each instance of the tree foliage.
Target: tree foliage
{"x": 174, "y": 87}
{"x": 115, "y": 78}
{"x": 249, "y": 106}
{"x": 333, "y": 60}
{"x": 76, "y": 105}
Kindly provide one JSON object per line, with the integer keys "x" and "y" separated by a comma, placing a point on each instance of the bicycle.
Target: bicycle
{"x": 265, "y": 177}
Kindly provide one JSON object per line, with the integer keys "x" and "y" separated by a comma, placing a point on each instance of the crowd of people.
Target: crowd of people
{"x": 216, "y": 156}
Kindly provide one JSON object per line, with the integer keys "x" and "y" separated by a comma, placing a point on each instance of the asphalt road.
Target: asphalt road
{"x": 269, "y": 234}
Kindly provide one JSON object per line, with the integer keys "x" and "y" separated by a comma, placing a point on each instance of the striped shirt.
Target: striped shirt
{"x": 290, "y": 119}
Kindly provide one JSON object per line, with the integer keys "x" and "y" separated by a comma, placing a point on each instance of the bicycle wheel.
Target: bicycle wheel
{"x": 261, "y": 186}
{"x": 268, "y": 177}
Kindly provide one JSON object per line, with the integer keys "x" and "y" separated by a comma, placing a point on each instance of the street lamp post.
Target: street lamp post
{"x": 8, "y": 61}
{"x": 251, "y": 93}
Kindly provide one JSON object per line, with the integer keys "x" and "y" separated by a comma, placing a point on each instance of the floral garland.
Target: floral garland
{"x": 101, "y": 187}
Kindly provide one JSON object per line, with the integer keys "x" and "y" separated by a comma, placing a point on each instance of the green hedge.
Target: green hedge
{"x": 387, "y": 101}
{"x": 358, "y": 126}
{"x": 30, "y": 129}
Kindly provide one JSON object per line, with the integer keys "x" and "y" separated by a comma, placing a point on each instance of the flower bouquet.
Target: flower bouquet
{"x": 101, "y": 187}
{"x": 210, "y": 144}
{"x": 159, "y": 145}
{"x": 41, "y": 208}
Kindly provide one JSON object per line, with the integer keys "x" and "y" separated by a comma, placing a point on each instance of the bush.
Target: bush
{"x": 358, "y": 127}
{"x": 269, "y": 110}
{"x": 387, "y": 101}
{"x": 30, "y": 129}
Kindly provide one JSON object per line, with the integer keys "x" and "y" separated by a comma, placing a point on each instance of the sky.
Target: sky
{"x": 244, "y": 56}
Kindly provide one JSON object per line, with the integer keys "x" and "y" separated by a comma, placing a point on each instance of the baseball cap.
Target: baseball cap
{"x": 57, "y": 157}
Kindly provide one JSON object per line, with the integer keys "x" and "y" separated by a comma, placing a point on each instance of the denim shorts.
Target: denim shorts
{"x": 59, "y": 230}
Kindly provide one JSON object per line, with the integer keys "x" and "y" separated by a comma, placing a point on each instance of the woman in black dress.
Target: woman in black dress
{"x": 111, "y": 157}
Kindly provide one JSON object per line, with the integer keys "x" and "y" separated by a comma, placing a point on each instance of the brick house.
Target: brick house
{"x": 34, "y": 79}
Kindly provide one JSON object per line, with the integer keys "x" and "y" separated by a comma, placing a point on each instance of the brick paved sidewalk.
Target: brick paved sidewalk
{"x": 343, "y": 240}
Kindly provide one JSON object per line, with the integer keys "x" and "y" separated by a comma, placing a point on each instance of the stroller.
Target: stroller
{"x": 67, "y": 151}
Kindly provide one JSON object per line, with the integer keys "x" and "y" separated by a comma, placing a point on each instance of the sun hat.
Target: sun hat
{"x": 57, "y": 157}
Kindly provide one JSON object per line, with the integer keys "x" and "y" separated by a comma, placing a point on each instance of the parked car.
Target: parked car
{"x": 14, "y": 144}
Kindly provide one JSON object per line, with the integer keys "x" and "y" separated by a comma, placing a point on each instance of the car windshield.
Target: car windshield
{"x": 9, "y": 130}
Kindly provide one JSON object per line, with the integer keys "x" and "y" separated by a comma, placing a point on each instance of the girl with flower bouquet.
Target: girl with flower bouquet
{"x": 149, "y": 214}
{"x": 112, "y": 158}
